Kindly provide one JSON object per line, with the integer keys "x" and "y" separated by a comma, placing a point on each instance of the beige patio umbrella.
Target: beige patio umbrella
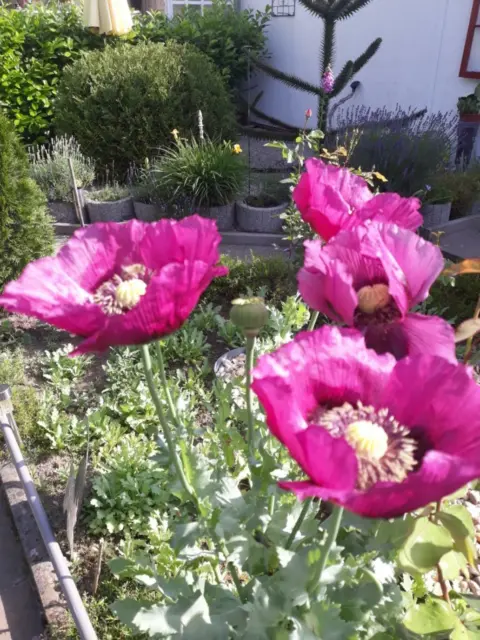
{"x": 112, "y": 17}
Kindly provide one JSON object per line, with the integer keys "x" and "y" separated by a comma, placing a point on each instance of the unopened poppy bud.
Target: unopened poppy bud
{"x": 249, "y": 314}
{"x": 308, "y": 113}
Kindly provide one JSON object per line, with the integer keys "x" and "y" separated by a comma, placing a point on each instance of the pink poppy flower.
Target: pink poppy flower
{"x": 331, "y": 198}
{"x": 377, "y": 436}
{"x": 370, "y": 278}
{"x": 120, "y": 284}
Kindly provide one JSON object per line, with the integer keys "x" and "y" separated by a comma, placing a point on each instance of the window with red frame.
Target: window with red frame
{"x": 470, "y": 66}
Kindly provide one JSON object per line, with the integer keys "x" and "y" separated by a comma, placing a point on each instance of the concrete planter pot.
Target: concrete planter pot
{"x": 224, "y": 215}
{"x": 260, "y": 219}
{"x": 115, "y": 211}
{"x": 459, "y": 239}
{"x": 63, "y": 212}
{"x": 147, "y": 212}
{"x": 436, "y": 214}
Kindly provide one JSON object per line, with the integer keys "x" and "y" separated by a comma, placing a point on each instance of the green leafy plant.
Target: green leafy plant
{"x": 129, "y": 488}
{"x": 109, "y": 193}
{"x": 202, "y": 171}
{"x": 469, "y": 104}
{"x": 464, "y": 186}
{"x": 226, "y": 35}
{"x": 122, "y": 103}
{"x": 50, "y": 169}
{"x": 26, "y": 231}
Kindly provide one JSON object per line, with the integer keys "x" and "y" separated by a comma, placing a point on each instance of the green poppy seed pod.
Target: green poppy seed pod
{"x": 249, "y": 314}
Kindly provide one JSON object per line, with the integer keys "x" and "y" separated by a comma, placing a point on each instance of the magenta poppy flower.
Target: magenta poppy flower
{"x": 331, "y": 198}
{"x": 370, "y": 278}
{"x": 120, "y": 284}
{"x": 378, "y": 436}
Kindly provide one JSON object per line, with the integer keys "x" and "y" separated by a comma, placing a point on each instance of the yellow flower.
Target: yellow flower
{"x": 237, "y": 148}
{"x": 175, "y": 133}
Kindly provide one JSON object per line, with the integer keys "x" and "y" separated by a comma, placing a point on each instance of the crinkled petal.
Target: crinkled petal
{"x": 326, "y": 284}
{"x": 330, "y": 366}
{"x": 171, "y": 296}
{"x": 440, "y": 475}
{"x": 420, "y": 261}
{"x": 413, "y": 335}
{"x": 96, "y": 252}
{"x": 193, "y": 238}
{"x": 327, "y": 195}
{"x": 439, "y": 401}
{"x": 390, "y": 207}
{"x": 328, "y": 461}
{"x": 47, "y": 292}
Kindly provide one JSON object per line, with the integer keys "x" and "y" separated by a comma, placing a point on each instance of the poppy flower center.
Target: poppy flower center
{"x": 124, "y": 291}
{"x": 372, "y": 298}
{"x": 368, "y": 439}
{"x": 384, "y": 448}
{"x": 375, "y": 306}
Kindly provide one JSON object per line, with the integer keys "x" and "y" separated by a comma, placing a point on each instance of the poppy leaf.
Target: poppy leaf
{"x": 459, "y": 523}
{"x": 433, "y": 616}
{"x": 423, "y": 549}
{"x": 452, "y": 563}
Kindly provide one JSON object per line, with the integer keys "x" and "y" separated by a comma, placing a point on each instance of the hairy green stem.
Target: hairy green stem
{"x": 299, "y": 522}
{"x": 336, "y": 516}
{"x": 163, "y": 379}
{"x": 249, "y": 366}
{"x": 147, "y": 365}
{"x": 313, "y": 320}
{"x": 271, "y": 505}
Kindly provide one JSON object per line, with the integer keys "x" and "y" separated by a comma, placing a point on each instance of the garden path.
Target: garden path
{"x": 20, "y": 613}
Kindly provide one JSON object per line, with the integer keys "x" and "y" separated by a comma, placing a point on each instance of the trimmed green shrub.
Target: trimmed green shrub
{"x": 123, "y": 103}
{"x": 26, "y": 230}
{"x": 223, "y": 33}
{"x": 37, "y": 42}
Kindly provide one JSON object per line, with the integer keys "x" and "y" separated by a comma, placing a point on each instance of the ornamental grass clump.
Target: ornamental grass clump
{"x": 203, "y": 171}
{"x": 371, "y": 426}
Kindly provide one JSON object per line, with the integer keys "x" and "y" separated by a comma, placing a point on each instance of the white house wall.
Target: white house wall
{"x": 417, "y": 64}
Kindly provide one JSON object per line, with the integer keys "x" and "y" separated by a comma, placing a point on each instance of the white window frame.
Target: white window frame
{"x": 187, "y": 3}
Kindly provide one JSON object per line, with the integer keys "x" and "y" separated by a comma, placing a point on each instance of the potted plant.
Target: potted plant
{"x": 50, "y": 169}
{"x": 469, "y": 106}
{"x": 437, "y": 202}
{"x": 260, "y": 212}
{"x": 203, "y": 176}
{"x": 112, "y": 203}
{"x": 144, "y": 193}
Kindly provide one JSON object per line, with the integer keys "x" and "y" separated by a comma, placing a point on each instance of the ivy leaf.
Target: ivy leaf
{"x": 434, "y": 616}
{"x": 422, "y": 550}
{"x": 452, "y": 563}
{"x": 459, "y": 523}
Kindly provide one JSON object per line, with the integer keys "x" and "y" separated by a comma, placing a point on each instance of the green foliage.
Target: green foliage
{"x": 464, "y": 187}
{"x": 41, "y": 40}
{"x": 36, "y": 44}
{"x": 203, "y": 172}
{"x": 188, "y": 345}
{"x": 225, "y": 34}
{"x": 50, "y": 169}
{"x": 26, "y": 231}
{"x": 109, "y": 193}
{"x": 129, "y": 488}
{"x": 275, "y": 276}
{"x": 25, "y": 399}
{"x": 122, "y": 103}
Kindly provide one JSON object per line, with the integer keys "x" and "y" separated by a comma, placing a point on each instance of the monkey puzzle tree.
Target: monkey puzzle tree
{"x": 331, "y": 12}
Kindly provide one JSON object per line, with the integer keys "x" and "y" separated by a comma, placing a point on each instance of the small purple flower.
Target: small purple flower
{"x": 370, "y": 278}
{"x": 428, "y": 187}
{"x": 328, "y": 80}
